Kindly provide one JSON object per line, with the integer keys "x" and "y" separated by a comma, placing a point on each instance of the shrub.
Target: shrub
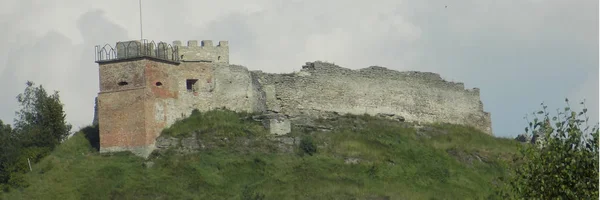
{"x": 561, "y": 162}
{"x": 308, "y": 146}
{"x": 92, "y": 134}
{"x": 249, "y": 194}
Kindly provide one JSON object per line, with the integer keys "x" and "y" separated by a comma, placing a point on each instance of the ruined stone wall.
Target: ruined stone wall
{"x": 416, "y": 96}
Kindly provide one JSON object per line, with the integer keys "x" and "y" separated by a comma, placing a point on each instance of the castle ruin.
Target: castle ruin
{"x": 145, "y": 87}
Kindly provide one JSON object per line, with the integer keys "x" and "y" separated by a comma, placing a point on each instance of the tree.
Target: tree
{"x": 41, "y": 120}
{"x": 39, "y": 127}
{"x": 561, "y": 161}
{"x": 9, "y": 149}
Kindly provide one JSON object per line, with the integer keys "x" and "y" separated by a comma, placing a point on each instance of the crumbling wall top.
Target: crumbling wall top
{"x": 332, "y": 70}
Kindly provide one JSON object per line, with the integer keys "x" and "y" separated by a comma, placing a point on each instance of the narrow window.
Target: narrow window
{"x": 219, "y": 58}
{"x": 122, "y": 83}
{"x": 190, "y": 83}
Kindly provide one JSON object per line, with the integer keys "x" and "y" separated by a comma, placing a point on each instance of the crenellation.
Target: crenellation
{"x": 207, "y": 43}
{"x": 205, "y": 52}
{"x": 223, "y": 43}
{"x": 192, "y": 43}
{"x": 177, "y": 43}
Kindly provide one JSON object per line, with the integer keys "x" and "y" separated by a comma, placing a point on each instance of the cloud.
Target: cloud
{"x": 53, "y": 61}
{"x": 519, "y": 53}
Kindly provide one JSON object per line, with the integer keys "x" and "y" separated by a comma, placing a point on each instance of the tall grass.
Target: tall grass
{"x": 216, "y": 122}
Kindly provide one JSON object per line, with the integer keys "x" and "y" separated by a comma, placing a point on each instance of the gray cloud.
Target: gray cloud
{"x": 519, "y": 53}
{"x": 56, "y": 63}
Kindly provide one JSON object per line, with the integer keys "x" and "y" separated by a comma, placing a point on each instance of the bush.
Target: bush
{"x": 92, "y": 134}
{"x": 249, "y": 194}
{"x": 561, "y": 162}
{"x": 308, "y": 146}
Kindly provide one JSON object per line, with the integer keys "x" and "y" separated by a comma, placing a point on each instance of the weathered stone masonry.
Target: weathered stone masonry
{"x": 417, "y": 96}
{"x": 141, "y": 95}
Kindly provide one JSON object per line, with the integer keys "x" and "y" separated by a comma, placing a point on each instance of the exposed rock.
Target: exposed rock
{"x": 391, "y": 117}
{"x": 277, "y": 124}
{"x": 286, "y": 144}
{"x": 164, "y": 142}
{"x": 287, "y": 140}
{"x": 149, "y": 164}
{"x": 193, "y": 144}
{"x": 190, "y": 143}
{"x": 309, "y": 66}
{"x": 351, "y": 161}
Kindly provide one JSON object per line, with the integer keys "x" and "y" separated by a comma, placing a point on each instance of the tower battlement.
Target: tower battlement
{"x": 137, "y": 49}
{"x": 205, "y": 52}
{"x": 176, "y": 52}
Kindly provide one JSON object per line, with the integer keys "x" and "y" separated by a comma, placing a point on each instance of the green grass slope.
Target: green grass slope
{"x": 394, "y": 161}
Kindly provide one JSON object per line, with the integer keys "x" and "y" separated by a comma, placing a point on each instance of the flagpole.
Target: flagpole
{"x": 141, "y": 32}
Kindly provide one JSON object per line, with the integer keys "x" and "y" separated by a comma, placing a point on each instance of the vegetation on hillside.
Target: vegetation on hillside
{"x": 39, "y": 127}
{"x": 562, "y": 163}
{"x": 361, "y": 157}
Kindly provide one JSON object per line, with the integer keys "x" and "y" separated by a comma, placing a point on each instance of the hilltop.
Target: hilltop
{"x": 222, "y": 154}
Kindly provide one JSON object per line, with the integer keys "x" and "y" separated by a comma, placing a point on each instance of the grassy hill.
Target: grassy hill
{"x": 360, "y": 157}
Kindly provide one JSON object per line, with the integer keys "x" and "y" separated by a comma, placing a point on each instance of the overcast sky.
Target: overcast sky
{"x": 518, "y": 52}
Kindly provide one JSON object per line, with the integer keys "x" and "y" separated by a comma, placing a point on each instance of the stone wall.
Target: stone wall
{"x": 206, "y": 51}
{"x": 215, "y": 86}
{"x": 416, "y": 96}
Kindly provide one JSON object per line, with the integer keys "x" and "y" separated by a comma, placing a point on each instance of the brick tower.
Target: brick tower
{"x": 141, "y": 84}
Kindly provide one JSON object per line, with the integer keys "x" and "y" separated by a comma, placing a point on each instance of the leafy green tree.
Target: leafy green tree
{"x": 560, "y": 162}
{"x": 39, "y": 127}
{"x": 41, "y": 121}
{"x": 9, "y": 151}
